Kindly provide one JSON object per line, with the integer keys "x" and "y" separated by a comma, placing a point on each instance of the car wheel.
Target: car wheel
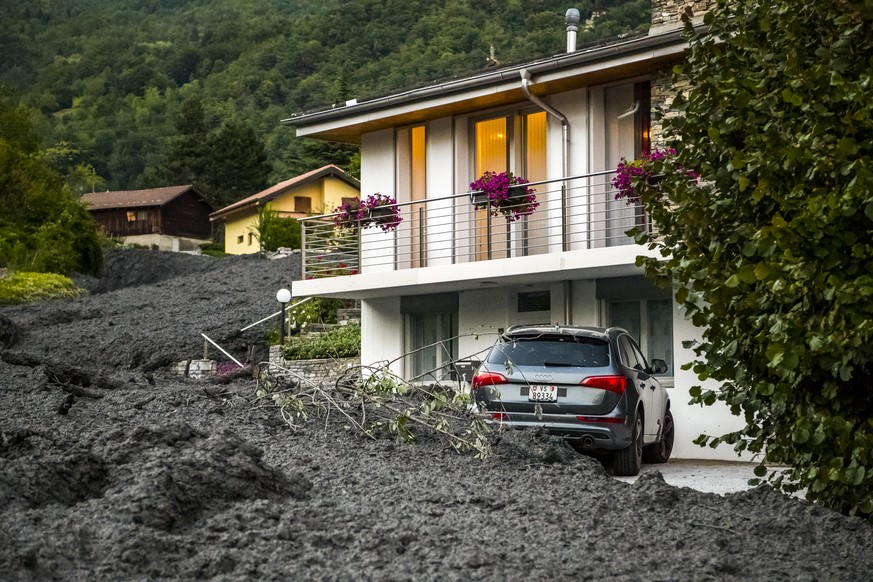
{"x": 660, "y": 451}
{"x": 626, "y": 462}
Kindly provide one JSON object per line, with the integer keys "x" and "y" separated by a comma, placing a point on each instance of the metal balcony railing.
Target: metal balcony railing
{"x": 574, "y": 213}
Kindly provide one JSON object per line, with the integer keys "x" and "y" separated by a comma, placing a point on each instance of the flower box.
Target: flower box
{"x": 377, "y": 210}
{"x": 503, "y": 193}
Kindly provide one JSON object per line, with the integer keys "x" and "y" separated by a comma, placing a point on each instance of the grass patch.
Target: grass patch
{"x": 213, "y": 249}
{"x": 24, "y": 287}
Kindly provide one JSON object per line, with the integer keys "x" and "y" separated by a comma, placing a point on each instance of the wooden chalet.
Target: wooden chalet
{"x": 171, "y": 218}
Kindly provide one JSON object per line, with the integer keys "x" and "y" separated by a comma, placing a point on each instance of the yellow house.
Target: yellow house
{"x": 316, "y": 192}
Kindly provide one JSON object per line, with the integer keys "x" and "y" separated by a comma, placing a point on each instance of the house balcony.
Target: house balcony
{"x": 578, "y": 231}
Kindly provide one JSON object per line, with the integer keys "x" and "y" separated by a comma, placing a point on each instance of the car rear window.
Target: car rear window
{"x": 577, "y": 352}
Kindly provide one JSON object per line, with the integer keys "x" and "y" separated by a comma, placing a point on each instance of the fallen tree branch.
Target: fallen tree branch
{"x": 373, "y": 400}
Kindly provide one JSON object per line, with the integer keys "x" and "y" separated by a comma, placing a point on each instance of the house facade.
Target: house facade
{"x": 314, "y": 192}
{"x": 440, "y": 286}
{"x": 174, "y": 218}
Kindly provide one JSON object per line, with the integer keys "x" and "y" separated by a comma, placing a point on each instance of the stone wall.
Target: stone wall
{"x": 317, "y": 371}
{"x": 665, "y": 88}
{"x": 668, "y": 13}
{"x": 196, "y": 369}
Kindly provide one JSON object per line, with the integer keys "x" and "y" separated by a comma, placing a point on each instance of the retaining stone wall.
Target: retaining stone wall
{"x": 321, "y": 371}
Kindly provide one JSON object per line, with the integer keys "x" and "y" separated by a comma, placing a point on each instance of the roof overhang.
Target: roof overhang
{"x": 623, "y": 59}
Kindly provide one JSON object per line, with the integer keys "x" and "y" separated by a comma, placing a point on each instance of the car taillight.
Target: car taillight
{"x": 487, "y": 379}
{"x": 499, "y": 415}
{"x": 615, "y": 384}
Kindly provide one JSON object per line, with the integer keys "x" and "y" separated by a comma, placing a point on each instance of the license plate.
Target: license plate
{"x": 541, "y": 393}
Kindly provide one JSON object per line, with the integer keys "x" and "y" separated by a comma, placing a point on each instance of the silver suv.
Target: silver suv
{"x": 589, "y": 385}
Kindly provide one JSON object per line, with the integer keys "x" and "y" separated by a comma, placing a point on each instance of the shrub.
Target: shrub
{"x": 342, "y": 342}
{"x": 316, "y": 310}
{"x": 27, "y": 287}
{"x": 275, "y": 232}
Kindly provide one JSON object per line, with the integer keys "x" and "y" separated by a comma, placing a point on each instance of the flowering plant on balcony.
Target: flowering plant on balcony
{"x": 504, "y": 193}
{"x": 647, "y": 170}
{"x": 382, "y": 211}
{"x": 377, "y": 210}
{"x": 348, "y": 213}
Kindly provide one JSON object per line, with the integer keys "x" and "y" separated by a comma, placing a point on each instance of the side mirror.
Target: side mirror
{"x": 659, "y": 366}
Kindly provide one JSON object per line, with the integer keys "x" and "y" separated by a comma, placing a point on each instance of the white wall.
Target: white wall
{"x": 377, "y": 175}
{"x": 481, "y": 313}
{"x": 382, "y": 332}
{"x": 377, "y": 163}
{"x": 586, "y": 309}
{"x": 692, "y": 420}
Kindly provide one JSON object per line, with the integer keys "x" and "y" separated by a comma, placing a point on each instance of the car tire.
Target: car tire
{"x": 660, "y": 451}
{"x": 627, "y": 462}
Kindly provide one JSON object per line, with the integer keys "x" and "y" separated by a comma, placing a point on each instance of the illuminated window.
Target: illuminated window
{"x": 412, "y": 187}
{"x": 523, "y": 134}
{"x": 536, "y": 233}
{"x": 492, "y": 146}
{"x": 535, "y": 146}
{"x": 131, "y": 216}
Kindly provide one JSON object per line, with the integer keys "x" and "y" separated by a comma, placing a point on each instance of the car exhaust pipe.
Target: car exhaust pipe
{"x": 588, "y": 442}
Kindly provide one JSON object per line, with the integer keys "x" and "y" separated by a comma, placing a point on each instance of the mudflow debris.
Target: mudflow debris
{"x": 112, "y": 468}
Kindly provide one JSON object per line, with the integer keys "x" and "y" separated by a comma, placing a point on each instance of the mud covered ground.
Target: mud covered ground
{"x": 113, "y": 469}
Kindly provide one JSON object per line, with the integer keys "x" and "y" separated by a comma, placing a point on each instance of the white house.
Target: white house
{"x": 439, "y": 287}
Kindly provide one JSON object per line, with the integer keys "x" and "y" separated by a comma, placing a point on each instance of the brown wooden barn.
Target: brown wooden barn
{"x": 174, "y": 218}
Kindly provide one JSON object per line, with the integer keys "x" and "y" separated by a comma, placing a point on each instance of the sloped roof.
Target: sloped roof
{"x": 621, "y": 57}
{"x": 134, "y": 198}
{"x": 265, "y": 196}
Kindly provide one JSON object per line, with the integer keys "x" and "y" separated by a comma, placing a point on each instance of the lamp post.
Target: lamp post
{"x": 283, "y": 296}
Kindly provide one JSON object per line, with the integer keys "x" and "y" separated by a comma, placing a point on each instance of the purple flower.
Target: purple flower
{"x": 356, "y": 211}
{"x": 639, "y": 169}
{"x": 504, "y": 194}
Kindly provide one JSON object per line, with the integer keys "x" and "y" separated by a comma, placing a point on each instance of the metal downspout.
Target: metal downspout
{"x": 565, "y": 171}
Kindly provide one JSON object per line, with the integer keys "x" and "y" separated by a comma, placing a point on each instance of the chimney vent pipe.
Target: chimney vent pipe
{"x": 572, "y": 19}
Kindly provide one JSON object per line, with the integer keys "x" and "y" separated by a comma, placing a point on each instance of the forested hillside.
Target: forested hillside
{"x": 154, "y": 92}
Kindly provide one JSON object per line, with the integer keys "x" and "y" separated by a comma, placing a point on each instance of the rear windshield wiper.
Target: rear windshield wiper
{"x": 560, "y": 364}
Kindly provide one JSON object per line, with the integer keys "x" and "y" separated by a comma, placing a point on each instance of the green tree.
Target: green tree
{"x": 113, "y": 80}
{"x": 189, "y": 158}
{"x": 224, "y": 164}
{"x": 237, "y": 164}
{"x": 43, "y": 226}
{"x": 770, "y": 251}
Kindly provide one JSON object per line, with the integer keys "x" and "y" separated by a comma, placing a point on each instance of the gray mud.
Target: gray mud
{"x": 112, "y": 469}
